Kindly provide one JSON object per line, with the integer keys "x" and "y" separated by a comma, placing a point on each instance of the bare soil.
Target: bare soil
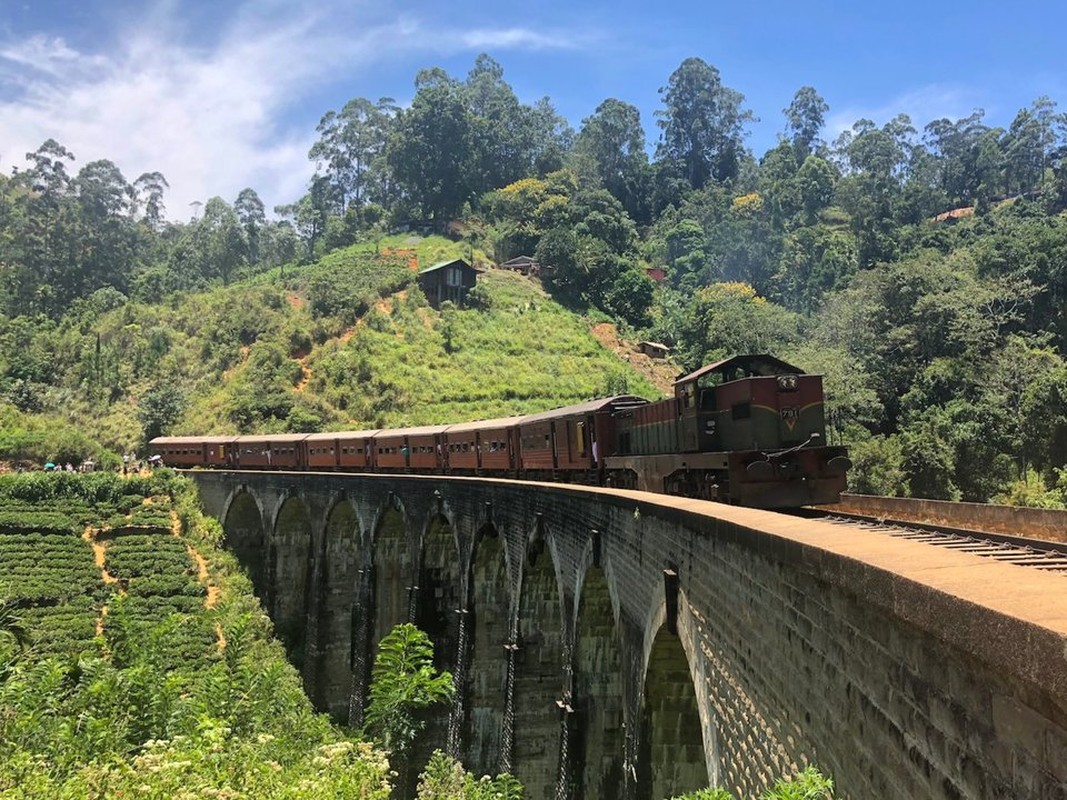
{"x": 660, "y": 372}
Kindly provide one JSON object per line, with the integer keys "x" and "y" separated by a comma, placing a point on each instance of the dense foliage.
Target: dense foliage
{"x": 922, "y": 270}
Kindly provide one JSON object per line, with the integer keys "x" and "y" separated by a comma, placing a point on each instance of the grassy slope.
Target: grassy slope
{"x": 346, "y": 342}
{"x": 525, "y": 354}
{"x": 392, "y": 366}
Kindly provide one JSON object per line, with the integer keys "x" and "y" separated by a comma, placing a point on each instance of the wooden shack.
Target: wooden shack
{"x": 524, "y": 265}
{"x": 654, "y": 349}
{"x": 447, "y": 280}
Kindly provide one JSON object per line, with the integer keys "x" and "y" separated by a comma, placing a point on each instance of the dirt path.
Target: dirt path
{"x": 660, "y": 373}
{"x": 99, "y": 555}
{"x": 100, "y": 559}
{"x": 203, "y": 574}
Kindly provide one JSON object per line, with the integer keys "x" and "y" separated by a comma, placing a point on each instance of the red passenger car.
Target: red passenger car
{"x": 409, "y": 448}
{"x": 270, "y": 451}
{"x": 193, "y": 451}
{"x": 574, "y": 439}
{"x": 490, "y": 445}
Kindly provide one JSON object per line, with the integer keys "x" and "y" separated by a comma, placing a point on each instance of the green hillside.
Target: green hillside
{"x": 345, "y": 342}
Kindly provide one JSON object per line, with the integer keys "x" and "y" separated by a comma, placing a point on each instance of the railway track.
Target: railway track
{"x": 1019, "y": 550}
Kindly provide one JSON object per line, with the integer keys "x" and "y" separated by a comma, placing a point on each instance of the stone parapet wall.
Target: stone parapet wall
{"x": 1015, "y": 520}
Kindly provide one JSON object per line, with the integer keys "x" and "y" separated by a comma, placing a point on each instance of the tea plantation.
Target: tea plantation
{"x": 135, "y": 661}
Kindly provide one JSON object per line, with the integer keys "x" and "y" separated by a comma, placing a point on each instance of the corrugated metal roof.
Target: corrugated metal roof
{"x": 588, "y": 407}
{"x": 442, "y": 264}
{"x": 272, "y": 437}
{"x": 742, "y": 361}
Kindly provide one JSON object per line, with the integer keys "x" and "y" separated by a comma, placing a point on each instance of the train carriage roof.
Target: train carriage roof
{"x": 283, "y": 438}
{"x": 500, "y": 423}
{"x": 424, "y": 430}
{"x": 760, "y": 364}
{"x": 164, "y": 440}
{"x": 331, "y": 435}
{"x": 588, "y": 407}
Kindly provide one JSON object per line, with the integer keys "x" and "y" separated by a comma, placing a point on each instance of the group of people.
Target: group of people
{"x": 50, "y": 467}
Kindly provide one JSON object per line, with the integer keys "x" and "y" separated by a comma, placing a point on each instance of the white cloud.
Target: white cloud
{"x": 923, "y": 105}
{"x": 482, "y": 38}
{"x": 209, "y": 117}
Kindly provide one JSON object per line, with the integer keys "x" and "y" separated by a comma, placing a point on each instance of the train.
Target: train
{"x": 748, "y": 430}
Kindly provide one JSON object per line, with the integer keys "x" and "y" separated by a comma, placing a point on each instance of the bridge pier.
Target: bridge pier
{"x": 612, "y": 644}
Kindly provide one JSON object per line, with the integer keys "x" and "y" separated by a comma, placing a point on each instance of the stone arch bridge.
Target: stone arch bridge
{"x": 612, "y": 644}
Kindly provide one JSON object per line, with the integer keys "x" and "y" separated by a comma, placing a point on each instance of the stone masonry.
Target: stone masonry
{"x": 614, "y": 644}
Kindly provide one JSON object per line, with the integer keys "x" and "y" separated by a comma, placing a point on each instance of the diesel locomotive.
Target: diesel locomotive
{"x": 749, "y": 430}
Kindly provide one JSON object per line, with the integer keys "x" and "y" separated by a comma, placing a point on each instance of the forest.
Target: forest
{"x": 922, "y": 270}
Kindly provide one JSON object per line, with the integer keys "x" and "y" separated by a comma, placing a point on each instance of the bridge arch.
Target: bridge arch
{"x": 488, "y": 615}
{"x": 672, "y": 759}
{"x": 291, "y": 563}
{"x": 438, "y": 605}
{"x": 340, "y": 563}
{"x": 539, "y": 670}
{"x": 599, "y": 685}
{"x": 244, "y": 534}
{"x": 393, "y": 569}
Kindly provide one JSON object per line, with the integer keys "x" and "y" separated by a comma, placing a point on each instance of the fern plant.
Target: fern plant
{"x": 403, "y": 681}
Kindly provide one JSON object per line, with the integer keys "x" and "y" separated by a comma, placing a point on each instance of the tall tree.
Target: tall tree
{"x": 148, "y": 189}
{"x": 703, "y": 124}
{"x": 501, "y": 139}
{"x": 1029, "y": 144}
{"x": 955, "y": 146}
{"x": 611, "y": 149}
{"x": 350, "y": 148}
{"x": 252, "y": 216}
{"x": 430, "y": 151}
{"x": 804, "y": 120}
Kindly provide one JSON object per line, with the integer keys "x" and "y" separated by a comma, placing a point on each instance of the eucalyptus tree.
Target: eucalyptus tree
{"x": 703, "y": 124}
{"x": 252, "y": 216}
{"x": 351, "y": 147}
{"x": 956, "y": 147}
{"x": 431, "y": 148}
{"x": 148, "y": 189}
{"x": 610, "y": 151}
{"x": 805, "y": 117}
{"x": 1029, "y": 144}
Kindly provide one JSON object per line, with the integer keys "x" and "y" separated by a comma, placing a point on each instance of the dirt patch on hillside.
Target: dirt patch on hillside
{"x": 203, "y": 574}
{"x": 661, "y": 373}
{"x": 295, "y": 301}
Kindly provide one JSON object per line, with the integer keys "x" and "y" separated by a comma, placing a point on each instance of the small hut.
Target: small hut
{"x": 524, "y": 265}
{"x": 447, "y": 280}
{"x": 654, "y": 349}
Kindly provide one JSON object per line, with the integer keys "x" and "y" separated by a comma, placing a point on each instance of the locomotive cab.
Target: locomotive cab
{"x": 745, "y": 403}
{"x": 749, "y": 429}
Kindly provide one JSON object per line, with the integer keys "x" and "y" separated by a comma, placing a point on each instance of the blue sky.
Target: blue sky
{"x": 218, "y": 96}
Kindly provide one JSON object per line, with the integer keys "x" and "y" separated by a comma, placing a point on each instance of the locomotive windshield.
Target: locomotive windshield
{"x": 732, "y": 369}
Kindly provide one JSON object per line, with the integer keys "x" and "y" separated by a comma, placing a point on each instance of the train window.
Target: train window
{"x": 707, "y": 399}
{"x": 741, "y": 410}
{"x": 580, "y": 430}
